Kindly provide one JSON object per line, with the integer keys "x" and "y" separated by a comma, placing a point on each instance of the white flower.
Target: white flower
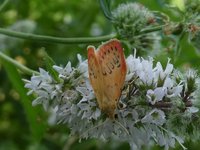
{"x": 57, "y": 90}
{"x": 192, "y": 109}
{"x": 86, "y": 90}
{"x": 162, "y": 74}
{"x": 191, "y": 74}
{"x": 171, "y": 90}
{"x": 141, "y": 68}
{"x": 132, "y": 64}
{"x": 155, "y": 116}
{"x": 37, "y": 82}
{"x": 69, "y": 95}
{"x": 169, "y": 68}
{"x": 64, "y": 73}
{"x": 89, "y": 110}
{"x": 145, "y": 73}
{"x": 53, "y": 116}
{"x": 155, "y": 95}
{"x": 83, "y": 66}
{"x": 44, "y": 87}
{"x": 41, "y": 100}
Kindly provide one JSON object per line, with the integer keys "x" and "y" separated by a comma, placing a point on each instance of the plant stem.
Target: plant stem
{"x": 21, "y": 67}
{"x": 70, "y": 142}
{"x": 170, "y": 104}
{"x": 3, "y": 5}
{"x": 153, "y": 29}
{"x": 51, "y": 39}
{"x": 163, "y": 105}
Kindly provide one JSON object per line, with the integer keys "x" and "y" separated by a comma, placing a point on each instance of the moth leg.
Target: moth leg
{"x": 121, "y": 105}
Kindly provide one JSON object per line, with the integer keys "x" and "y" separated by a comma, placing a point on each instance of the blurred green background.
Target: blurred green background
{"x": 62, "y": 18}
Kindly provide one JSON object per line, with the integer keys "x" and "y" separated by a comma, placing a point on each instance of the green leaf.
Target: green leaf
{"x": 32, "y": 114}
{"x": 105, "y": 6}
{"x": 49, "y": 66}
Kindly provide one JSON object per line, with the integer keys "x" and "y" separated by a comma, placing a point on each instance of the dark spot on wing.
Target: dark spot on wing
{"x": 118, "y": 65}
{"x": 112, "y": 66}
{"x": 115, "y": 48}
{"x": 109, "y": 70}
{"x": 104, "y": 73}
{"x": 116, "y": 61}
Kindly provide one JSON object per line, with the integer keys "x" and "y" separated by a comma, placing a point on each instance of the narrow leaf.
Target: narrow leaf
{"x": 49, "y": 66}
{"x": 37, "y": 129}
{"x": 105, "y": 6}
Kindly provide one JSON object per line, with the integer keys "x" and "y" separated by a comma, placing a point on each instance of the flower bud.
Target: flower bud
{"x": 130, "y": 18}
{"x": 191, "y": 77}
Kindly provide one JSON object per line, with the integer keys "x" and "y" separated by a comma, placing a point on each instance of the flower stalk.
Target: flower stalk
{"x": 169, "y": 105}
{"x": 52, "y": 39}
{"x": 21, "y": 67}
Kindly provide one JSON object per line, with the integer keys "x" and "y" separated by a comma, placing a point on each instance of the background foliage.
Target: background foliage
{"x": 25, "y": 127}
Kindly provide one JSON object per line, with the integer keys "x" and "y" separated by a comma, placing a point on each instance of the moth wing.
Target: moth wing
{"x": 113, "y": 69}
{"x": 94, "y": 74}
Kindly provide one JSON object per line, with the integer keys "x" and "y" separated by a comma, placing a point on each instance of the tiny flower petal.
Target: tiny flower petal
{"x": 155, "y": 116}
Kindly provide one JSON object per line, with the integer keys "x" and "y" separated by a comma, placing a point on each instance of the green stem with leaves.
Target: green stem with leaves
{"x": 51, "y": 39}
{"x": 21, "y": 67}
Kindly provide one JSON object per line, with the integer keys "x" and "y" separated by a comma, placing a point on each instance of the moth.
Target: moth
{"x": 107, "y": 71}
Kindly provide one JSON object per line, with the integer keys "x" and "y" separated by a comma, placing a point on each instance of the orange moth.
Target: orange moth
{"x": 107, "y": 72}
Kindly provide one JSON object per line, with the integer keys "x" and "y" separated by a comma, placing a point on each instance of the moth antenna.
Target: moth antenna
{"x": 123, "y": 127}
